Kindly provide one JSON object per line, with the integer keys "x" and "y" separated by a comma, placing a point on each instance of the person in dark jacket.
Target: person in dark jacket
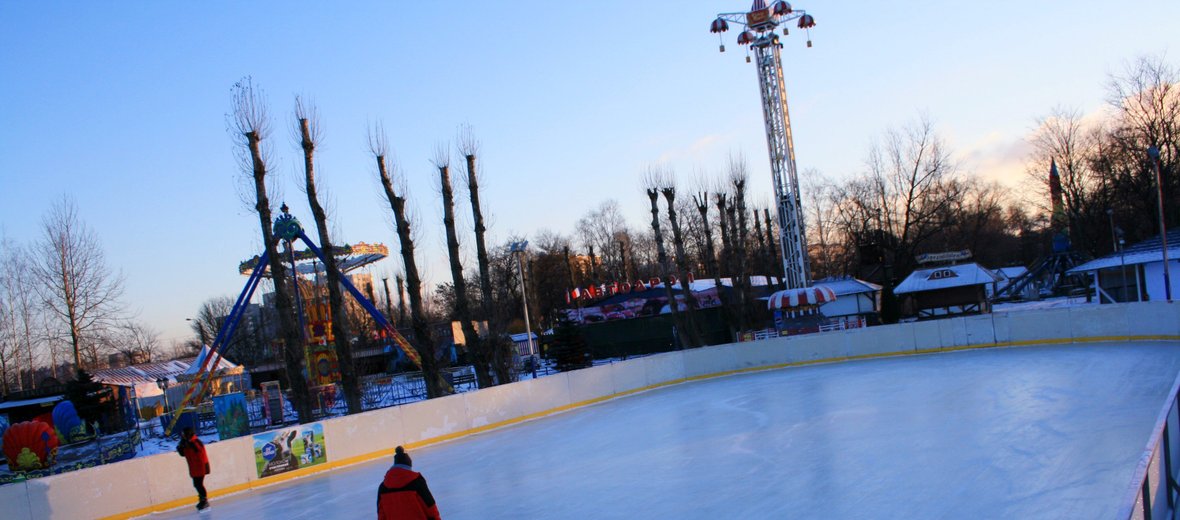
{"x": 193, "y": 451}
{"x": 404, "y": 494}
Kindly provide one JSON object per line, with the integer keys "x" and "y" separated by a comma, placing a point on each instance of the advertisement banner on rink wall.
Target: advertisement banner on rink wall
{"x": 289, "y": 449}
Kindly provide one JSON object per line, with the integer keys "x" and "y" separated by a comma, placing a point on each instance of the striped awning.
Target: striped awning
{"x": 801, "y": 297}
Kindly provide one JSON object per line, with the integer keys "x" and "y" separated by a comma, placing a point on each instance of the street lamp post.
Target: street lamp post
{"x": 163, "y": 384}
{"x": 519, "y": 248}
{"x": 1154, "y": 154}
{"x": 1114, "y": 245}
{"x": 1123, "y": 267}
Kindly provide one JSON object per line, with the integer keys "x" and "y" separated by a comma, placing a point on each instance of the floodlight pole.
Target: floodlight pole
{"x": 1154, "y": 154}
{"x": 519, "y": 249}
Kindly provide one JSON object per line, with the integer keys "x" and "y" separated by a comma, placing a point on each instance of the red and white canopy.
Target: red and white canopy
{"x": 801, "y": 297}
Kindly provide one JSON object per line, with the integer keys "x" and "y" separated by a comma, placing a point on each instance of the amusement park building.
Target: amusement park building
{"x": 936, "y": 292}
{"x": 1135, "y": 273}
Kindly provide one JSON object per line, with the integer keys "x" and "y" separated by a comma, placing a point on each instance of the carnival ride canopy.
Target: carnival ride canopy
{"x": 348, "y": 258}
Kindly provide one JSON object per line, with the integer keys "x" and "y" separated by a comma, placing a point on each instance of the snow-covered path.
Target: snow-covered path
{"x": 1030, "y": 432}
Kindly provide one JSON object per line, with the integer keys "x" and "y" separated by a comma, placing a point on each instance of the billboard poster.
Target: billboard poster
{"x": 232, "y": 420}
{"x": 289, "y": 449}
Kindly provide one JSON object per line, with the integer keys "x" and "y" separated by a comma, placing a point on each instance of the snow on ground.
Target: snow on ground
{"x": 1030, "y": 432}
{"x": 1048, "y": 303}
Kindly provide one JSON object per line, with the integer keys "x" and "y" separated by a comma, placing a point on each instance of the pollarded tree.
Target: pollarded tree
{"x": 462, "y": 302}
{"x": 654, "y": 181}
{"x": 501, "y": 358}
{"x": 682, "y": 268}
{"x": 77, "y": 288}
{"x": 250, "y": 126}
{"x": 307, "y": 129}
{"x": 436, "y": 386}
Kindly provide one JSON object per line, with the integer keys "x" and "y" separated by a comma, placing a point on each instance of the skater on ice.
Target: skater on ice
{"x": 193, "y": 451}
{"x": 404, "y": 494}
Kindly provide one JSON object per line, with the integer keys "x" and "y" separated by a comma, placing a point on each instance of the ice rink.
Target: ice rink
{"x": 1028, "y": 432}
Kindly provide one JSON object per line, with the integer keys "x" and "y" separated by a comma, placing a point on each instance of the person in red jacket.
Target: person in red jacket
{"x": 193, "y": 451}
{"x": 404, "y": 494}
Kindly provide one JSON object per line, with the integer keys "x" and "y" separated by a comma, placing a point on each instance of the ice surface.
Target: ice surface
{"x": 1030, "y": 432}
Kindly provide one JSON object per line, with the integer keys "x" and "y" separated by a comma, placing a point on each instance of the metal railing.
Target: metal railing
{"x": 1156, "y": 466}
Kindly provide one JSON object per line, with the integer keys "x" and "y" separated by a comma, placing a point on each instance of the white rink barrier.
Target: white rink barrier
{"x": 160, "y": 482}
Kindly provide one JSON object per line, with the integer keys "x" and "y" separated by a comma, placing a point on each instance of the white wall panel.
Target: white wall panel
{"x": 980, "y": 329}
{"x": 492, "y": 405}
{"x": 589, "y": 383}
{"x": 663, "y": 368}
{"x": 424, "y": 420}
{"x": 14, "y": 499}
{"x": 539, "y": 395}
{"x": 1039, "y": 325}
{"x": 364, "y": 433}
{"x": 628, "y": 375}
{"x": 710, "y": 360}
{"x": 774, "y": 351}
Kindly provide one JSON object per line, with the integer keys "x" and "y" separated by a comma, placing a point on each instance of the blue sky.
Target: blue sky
{"x": 121, "y": 106}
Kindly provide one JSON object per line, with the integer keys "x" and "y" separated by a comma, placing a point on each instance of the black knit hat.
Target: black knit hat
{"x": 401, "y": 457}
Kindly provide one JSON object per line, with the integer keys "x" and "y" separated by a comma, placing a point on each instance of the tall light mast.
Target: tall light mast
{"x": 759, "y": 25}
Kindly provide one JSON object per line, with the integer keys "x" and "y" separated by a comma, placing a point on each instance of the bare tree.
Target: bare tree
{"x": 138, "y": 342}
{"x": 9, "y": 347}
{"x": 423, "y": 339}
{"x": 250, "y": 126}
{"x": 904, "y": 194}
{"x": 401, "y": 300}
{"x": 600, "y": 229}
{"x": 776, "y": 267}
{"x": 701, "y": 201}
{"x": 307, "y": 130}
{"x": 501, "y": 351}
{"x": 690, "y": 300}
{"x": 738, "y": 177}
{"x": 1146, "y": 97}
{"x": 822, "y": 241}
{"x": 1063, "y": 139}
{"x": 462, "y": 306}
{"x": 655, "y": 180}
{"x": 179, "y": 349}
{"x": 244, "y": 345}
{"x": 18, "y": 288}
{"x": 78, "y": 289}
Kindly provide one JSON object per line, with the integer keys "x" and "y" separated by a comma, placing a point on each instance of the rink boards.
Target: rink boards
{"x": 141, "y": 486}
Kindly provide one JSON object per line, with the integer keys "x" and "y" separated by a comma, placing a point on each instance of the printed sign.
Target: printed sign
{"x": 289, "y": 449}
{"x": 232, "y": 419}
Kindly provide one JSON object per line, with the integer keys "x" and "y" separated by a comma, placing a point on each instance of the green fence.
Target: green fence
{"x": 650, "y": 335}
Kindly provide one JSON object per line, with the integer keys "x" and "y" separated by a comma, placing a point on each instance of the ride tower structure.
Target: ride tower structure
{"x": 759, "y": 26}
